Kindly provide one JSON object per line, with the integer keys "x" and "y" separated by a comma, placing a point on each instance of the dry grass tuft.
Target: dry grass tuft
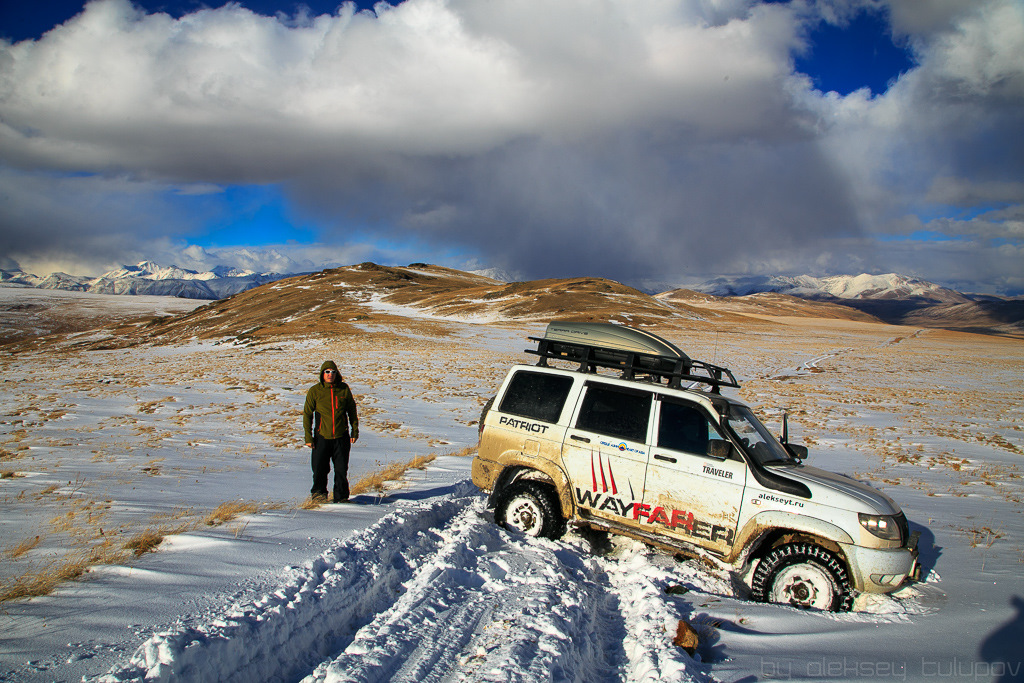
{"x": 152, "y": 467}
{"x": 35, "y": 581}
{"x": 310, "y": 504}
{"x": 983, "y": 536}
{"x": 44, "y": 581}
{"x": 144, "y": 542}
{"x": 22, "y": 548}
{"x": 377, "y": 481}
{"x": 225, "y": 512}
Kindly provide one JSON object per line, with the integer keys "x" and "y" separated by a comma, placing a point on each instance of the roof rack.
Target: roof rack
{"x": 638, "y": 354}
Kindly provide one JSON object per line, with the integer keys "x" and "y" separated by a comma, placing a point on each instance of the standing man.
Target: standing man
{"x": 329, "y": 409}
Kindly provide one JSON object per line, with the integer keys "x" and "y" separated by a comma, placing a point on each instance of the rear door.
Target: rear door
{"x": 605, "y": 450}
{"x": 690, "y": 494}
{"x": 528, "y": 414}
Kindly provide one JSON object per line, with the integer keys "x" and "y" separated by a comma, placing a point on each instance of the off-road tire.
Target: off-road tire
{"x": 532, "y": 508}
{"x": 811, "y": 577}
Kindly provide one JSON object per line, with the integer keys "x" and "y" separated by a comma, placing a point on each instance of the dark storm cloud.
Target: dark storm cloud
{"x": 635, "y": 204}
{"x": 81, "y": 220}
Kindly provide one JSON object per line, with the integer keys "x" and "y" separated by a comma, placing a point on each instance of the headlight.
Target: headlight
{"x": 882, "y": 526}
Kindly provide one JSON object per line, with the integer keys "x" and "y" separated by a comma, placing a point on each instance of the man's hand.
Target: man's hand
{"x": 309, "y": 445}
{"x": 352, "y": 440}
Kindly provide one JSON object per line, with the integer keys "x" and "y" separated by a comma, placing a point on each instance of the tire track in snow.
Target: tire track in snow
{"x": 811, "y": 366}
{"x": 285, "y": 634}
{"x": 807, "y": 367}
{"x": 651, "y": 617}
{"x": 435, "y": 591}
{"x": 491, "y": 606}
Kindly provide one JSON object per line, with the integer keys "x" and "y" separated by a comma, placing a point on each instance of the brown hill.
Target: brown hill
{"x": 764, "y": 304}
{"x": 337, "y": 301}
{"x": 986, "y": 317}
{"x": 27, "y": 313}
{"x": 344, "y": 300}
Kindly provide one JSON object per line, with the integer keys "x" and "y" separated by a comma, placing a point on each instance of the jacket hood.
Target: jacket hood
{"x": 329, "y": 364}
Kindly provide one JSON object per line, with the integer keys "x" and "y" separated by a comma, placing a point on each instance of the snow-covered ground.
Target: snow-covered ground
{"x": 420, "y": 585}
{"x": 27, "y": 312}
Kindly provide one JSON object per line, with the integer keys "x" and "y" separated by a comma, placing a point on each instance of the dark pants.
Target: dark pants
{"x": 325, "y": 452}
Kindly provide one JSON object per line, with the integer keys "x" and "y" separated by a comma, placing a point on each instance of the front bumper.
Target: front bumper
{"x": 882, "y": 571}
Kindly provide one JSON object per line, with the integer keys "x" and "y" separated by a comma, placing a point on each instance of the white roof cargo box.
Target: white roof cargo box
{"x": 611, "y": 336}
{"x": 638, "y": 354}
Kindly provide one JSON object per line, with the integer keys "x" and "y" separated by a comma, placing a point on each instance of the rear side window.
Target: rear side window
{"x": 536, "y": 395}
{"x": 615, "y": 412}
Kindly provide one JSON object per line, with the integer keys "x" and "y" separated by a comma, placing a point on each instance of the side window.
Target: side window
{"x": 536, "y": 395}
{"x": 615, "y": 412}
{"x": 685, "y": 428}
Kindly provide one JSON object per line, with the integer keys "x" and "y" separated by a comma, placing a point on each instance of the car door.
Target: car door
{"x": 690, "y": 493}
{"x": 605, "y": 450}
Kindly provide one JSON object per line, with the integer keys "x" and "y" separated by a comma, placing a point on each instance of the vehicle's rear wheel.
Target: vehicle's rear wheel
{"x": 532, "y": 508}
{"x": 803, "y": 575}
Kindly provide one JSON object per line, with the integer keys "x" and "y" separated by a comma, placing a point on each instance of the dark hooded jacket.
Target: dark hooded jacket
{"x": 330, "y": 408}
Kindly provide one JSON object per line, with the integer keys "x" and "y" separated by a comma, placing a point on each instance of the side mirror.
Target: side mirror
{"x": 719, "y": 449}
{"x": 798, "y": 452}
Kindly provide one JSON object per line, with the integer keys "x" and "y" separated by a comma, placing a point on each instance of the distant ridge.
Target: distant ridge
{"x": 149, "y": 278}
{"x": 891, "y": 298}
{"x": 424, "y": 290}
{"x": 339, "y": 300}
{"x": 864, "y": 286}
{"x": 498, "y": 274}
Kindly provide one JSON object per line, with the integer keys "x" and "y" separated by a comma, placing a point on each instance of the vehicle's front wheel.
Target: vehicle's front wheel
{"x": 803, "y": 575}
{"x": 532, "y": 508}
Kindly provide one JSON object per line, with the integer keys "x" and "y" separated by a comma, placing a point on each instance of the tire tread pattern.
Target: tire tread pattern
{"x": 553, "y": 525}
{"x": 794, "y": 553}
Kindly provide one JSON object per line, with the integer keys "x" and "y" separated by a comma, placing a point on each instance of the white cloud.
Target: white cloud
{"x": 118, "y": 89}
{"x": 622, "y": 138}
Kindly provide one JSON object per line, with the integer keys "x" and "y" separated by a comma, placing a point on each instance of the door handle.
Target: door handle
{"x": 579, "y": 438}
{"x": 664, "y": 457}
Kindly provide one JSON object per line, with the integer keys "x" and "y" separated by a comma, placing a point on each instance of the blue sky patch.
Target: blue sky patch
{"x": 858, "y": 55}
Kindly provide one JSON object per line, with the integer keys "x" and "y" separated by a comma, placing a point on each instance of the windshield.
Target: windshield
{"x": 757, "y": 441}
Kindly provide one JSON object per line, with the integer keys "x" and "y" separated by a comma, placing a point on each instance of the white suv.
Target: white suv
{"x": 693, "y": 471}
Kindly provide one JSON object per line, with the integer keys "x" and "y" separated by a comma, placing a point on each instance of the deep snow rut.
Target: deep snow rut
{"x": 435, "y": 591}
{"x": 316, "y": 610}
{"x": 489, "y": 605}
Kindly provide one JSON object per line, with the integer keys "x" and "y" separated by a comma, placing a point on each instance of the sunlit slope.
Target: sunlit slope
{"x": 341, "y": 300}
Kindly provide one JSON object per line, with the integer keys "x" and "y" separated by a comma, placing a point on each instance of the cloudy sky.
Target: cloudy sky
{"x": 641, "y": 140}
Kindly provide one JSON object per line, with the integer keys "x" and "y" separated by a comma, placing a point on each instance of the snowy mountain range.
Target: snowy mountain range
{"x": 498, "y": 274}
{"x": 147, "y": 277}
{"x": 878, "y": 287}
{"x": 892, "y": 298}
{"x": 867, "y": 292}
